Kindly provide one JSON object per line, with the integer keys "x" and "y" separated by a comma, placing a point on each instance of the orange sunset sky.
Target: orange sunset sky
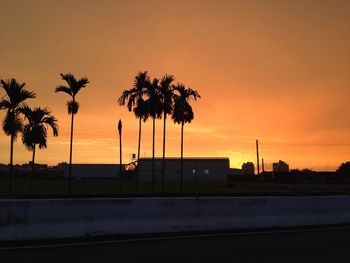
{"x": 277, "y": 71}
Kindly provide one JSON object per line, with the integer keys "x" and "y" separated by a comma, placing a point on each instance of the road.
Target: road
{"x": 300, "y": 246}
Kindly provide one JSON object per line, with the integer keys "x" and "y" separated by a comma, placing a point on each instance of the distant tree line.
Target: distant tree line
{"x": 294, "y": 176}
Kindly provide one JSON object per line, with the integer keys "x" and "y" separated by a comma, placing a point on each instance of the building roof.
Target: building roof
{"x": 186, "y": 158}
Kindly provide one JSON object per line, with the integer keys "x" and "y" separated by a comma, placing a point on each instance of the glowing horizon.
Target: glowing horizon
{"x": 277, "y": 71}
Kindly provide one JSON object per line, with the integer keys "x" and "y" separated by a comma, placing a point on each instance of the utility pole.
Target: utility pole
{"x": 257, "y": 156}
{"x": 120, "y": 155}
{"x": 262, "y": 162}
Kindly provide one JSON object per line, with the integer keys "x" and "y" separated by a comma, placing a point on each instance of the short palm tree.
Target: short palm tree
{"x": 72, "y": 89}
{"x": 12, "y": 124}
{"x": 35, "y": 131}
{"x": 154, "y": 106}
{"x": 135, "y": 102}
{"x": 166, "y": 95}
{"x": 183, "y": 113}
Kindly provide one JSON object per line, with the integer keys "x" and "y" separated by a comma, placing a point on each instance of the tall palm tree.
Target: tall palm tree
{"x": 183, "y": 113}
{"x": 74, "y": 86}
{"x": 35, "y": 131}
{"x": 166, "y": 96}
{"x": 154, "y": 106}
{"x": 135, "y": 102}
{"x": 12, "y": 124}
{"x": 120, "y": 127}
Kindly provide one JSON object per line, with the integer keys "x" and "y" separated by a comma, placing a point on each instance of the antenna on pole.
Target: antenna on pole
{"x": 257, "y": 156}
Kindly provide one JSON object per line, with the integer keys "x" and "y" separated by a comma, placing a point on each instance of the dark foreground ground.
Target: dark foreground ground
{"x": 319, "y": 246}
{"x": 58, "y": 187}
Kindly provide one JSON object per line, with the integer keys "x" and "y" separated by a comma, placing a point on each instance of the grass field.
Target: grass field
{"x": 111, "y": 187}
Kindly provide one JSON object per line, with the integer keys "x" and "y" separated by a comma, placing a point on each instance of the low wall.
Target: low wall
{"x": 64, "y": 218}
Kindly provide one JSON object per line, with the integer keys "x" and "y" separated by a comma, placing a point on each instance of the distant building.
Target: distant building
{"x": 194, "y": 169}
{"x": 280, "y": 167}
{"x": 248, "y": 168}
{"x": 92, "y": 170}
{"x": 235, "y": 171}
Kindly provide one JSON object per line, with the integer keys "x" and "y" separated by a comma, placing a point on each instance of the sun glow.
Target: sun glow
{"x": 263, "y": 71}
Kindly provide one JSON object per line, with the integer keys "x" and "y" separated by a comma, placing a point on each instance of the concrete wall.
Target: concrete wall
{"x": 194, "y": 169}
{"x": 62, "y": 218}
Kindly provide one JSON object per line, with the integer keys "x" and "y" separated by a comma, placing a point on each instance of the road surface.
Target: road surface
{"x": 332, "y": 245}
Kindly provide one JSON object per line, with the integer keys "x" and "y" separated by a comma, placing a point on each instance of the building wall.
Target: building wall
{"x": 235, "y": 171}
{"x": 194, "y": 169}
{"x": 92, "y": 170}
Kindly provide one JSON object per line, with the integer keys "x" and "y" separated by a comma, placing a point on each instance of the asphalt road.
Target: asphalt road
{"x": 301, "y": 246}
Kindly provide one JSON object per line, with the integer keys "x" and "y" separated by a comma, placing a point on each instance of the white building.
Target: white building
{"x": 194, "y": 169}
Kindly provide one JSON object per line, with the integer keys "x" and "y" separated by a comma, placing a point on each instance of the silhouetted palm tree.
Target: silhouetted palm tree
{"x": 183, "y": 113}
{"x": 72, "y": 90}
{"x": 12, "y": 124}
{"x": 166, "y": 96}
{"x": 133, "y": 98}
{"x": 35, "y": 131}
{"x": 154, "y": 105}
{"x": 120, "y": 155}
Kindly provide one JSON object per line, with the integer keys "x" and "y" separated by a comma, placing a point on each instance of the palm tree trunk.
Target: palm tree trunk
{"x": 181, "y": 162}
{"x": 163, "y": 163}
{"x": 70, "y": 156}
{"x": 120, "y": 163}
{"x": 138, "y": 159}
{"x": 11, "y": 164}
{"x": 153, "y": 176}
{"x": 32, "y": 173}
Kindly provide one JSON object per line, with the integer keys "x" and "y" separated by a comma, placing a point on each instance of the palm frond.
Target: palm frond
{"x": 5, "y": 104}
{"x": 131, "y": 101}
{"x": 52, "y": 122}
{"x": 4, "y": 85}
{"x": 192, "y": 94}
{"x": 166, "y": 81}
{"x": 25, "y": 94}
{"x": 73, "y": 84}
{"x": 44, "y": 111}
{"x": 124, "y": 97}
{"x": 15, "y": 92}
{"x": 141, "y": 80}
{"x": 26, "y": 111}
{"x": 83, "y": 82}
{"x": 64, "y": 89}
{"x": 76, "y": 89}
{"x": 69, "y": 78}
